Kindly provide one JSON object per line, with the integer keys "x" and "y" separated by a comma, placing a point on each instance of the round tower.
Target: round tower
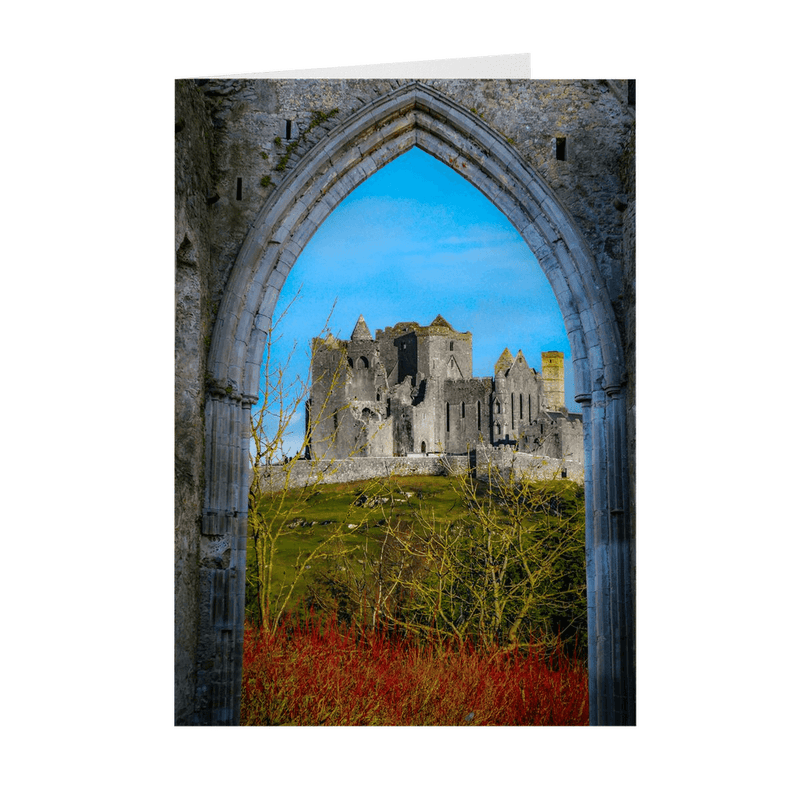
{"x": 553, "y": 376}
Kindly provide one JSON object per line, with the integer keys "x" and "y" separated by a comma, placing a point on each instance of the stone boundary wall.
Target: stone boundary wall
{"x": 505, "y": 459}
{"x": 347, "y": 470}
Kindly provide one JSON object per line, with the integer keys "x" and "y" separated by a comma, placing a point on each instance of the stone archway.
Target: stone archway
{"x": 414, "y": 115}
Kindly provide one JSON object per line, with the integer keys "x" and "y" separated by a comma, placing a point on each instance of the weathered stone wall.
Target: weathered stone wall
{"x": 506, "y": 461}
{"x": 517, "y": 389}
{"x": 462, "y": 398}
{"x": 194, "y": 188}
{"x": 305, "y": 473}
{"x": 501, "y": 461}
{"x": 628, "y": 206}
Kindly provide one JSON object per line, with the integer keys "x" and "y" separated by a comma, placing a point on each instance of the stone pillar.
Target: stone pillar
{"x": 609, "y": 561}
{"x": 223, "y": 552}
{"x": 585, "y": 402}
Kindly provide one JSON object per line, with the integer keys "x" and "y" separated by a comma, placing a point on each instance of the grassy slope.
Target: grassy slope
{"x": 330, "y": 508}
{"x": 314, "y": 516}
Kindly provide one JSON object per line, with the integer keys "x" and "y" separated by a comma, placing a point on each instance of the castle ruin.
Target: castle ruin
{"x": 410, "y": 391}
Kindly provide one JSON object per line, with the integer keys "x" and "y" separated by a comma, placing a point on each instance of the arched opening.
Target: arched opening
{"x": 418, "y": 115}
{"x": 422, "y": 447}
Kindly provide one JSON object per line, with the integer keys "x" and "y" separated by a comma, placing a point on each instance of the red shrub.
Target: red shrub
{"x": 318, "y": 674}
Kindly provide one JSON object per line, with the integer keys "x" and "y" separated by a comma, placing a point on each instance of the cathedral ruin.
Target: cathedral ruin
{"x": 410, "y": 391}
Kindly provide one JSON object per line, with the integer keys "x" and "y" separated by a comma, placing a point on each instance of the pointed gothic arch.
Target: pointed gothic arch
{"x": 417, "y": 115}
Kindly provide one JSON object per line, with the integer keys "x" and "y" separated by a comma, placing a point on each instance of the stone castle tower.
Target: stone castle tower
{"x": 410, "y": 391}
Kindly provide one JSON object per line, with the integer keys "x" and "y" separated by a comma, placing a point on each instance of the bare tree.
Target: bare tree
{"x": 512, "y": 569}
{"x": 283, "y": 482}
{"x": 278, "y": 492}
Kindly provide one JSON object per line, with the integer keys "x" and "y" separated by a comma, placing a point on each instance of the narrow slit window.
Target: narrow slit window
{"x": 238, "y": 188}
{"x": 288, "y": 129}
{"x": 463, "y": 410}
{"x": 479, "y": 414}
{"x": 631, "y": 93}
{"x": 447, "y": 413}
{"x": 561, "y": 148}
{"x": 512, "y": 412}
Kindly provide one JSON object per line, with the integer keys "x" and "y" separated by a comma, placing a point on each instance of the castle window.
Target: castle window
{"x": 463, "y": 410}
{"x": 512, "y": 412}
{"x": 530, "y": 416}
{"x": 422, "y": 447}
{"x": 388, "y": 406}
{"x": 362, "y": 363}
{"x": 447, "y": 416}
{"x": 631, "y": 93}
{"x": 350, "y": 363}
{"x": 479, "y": 414}
{"x": 563, "y": 473}
{"x": 238, "y": 188}
{"x": 497, "y": 407}
{"x": 451, "y": 345}
{"x": 288, "y": 129}
{"x": 561, "y": 148}
{"x": 520, "y": 409}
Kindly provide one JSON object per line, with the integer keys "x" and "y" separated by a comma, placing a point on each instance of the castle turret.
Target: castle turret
{"x": 361, "y": 331}
{"x": 553, "y": 375}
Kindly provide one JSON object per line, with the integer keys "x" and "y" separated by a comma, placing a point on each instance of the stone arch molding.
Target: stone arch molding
{"x": 413, "y": 115}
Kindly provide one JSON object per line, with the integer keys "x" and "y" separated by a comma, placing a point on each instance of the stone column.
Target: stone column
{"x": 223, "y": 551}
{"x": 609, "y": 561}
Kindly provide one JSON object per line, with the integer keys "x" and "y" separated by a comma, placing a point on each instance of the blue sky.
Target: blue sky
{"x": 414, "y": 241}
